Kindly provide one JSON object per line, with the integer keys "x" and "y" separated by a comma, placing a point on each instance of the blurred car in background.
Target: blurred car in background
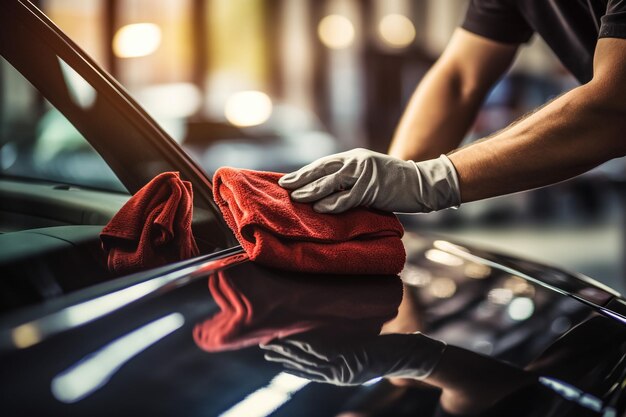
{"x": 76, "y": 339}
{"x": 290, "y": 139}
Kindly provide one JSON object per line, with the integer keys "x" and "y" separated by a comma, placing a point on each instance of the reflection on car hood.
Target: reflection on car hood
{"x": 273, "y": 304}
{"x": 145, "y": 345}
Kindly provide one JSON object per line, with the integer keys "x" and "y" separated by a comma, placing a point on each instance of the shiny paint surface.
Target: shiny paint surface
{"x": 140, "y": 356}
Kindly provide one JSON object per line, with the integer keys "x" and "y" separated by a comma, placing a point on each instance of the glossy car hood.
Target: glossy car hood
{"x": 467, "y": 263}
{"x": 187, "y": 338}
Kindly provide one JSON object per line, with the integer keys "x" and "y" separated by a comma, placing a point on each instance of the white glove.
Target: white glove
{"x": 354, "y": 362}
{"x": 361, "y": 177}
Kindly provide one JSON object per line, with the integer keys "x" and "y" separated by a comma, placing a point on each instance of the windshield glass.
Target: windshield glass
{"x": 73, "y": 149}
{"x": 39, "y": 143}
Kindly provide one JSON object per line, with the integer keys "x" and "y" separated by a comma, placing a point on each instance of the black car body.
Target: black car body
{"x": 78, "y": 340}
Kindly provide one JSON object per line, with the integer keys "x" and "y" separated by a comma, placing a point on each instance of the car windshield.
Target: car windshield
{"x": 73, "y": 149}
{"x": 39, "y": 143}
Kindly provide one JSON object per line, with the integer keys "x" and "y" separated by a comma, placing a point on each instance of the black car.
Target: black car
{"x": 205, "y": 336}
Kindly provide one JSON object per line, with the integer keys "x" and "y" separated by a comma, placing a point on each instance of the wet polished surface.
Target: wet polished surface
{"x": 225, "y": 336}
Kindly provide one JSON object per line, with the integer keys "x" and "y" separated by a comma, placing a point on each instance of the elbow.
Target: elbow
{"x": 606, "y": 103}
{"x": 460, "y": 84}
{"x": 466, "y": 90}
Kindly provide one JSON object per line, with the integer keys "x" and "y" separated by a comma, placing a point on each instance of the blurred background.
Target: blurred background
{"x": 275, "y": 84}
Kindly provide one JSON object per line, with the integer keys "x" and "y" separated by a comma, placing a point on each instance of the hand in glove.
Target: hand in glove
{"x": 354, "y": 363}
{"x": 361, "y": 177}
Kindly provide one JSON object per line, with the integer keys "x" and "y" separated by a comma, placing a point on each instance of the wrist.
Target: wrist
{"x": 437, "y": 186}
{"x": 428, "y": 353}
{"x": 418, "y": 355}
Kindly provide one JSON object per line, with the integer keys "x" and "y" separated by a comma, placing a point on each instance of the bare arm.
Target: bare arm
{"x": 447, "y": 100}
{"x": 579, "y": 130}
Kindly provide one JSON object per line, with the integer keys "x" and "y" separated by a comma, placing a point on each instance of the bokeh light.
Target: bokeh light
{"x": 248, "y": 108}
{"x": 336, "y": 31}
{"x": 396, "y": 30}
{"x": 519, "y": 286}
{"x": 500, "y": 296}
{"x": 137, "y": 39}
{"x": 418, "y": 277}
{"x": 444, "y": 258}
{"x": 442, "y": 287}
{"x": 172, "y": 100}
{"x": 521, "y": 308}
{"x": 476, "y": 271}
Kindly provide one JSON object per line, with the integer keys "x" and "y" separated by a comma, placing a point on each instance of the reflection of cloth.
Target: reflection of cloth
{"x": 258, "y": 305}
{"x": 153, "y": 228}
{"x": 277, "y": 232}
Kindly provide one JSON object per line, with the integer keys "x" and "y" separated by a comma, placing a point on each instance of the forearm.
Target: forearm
{"x": 569, "y": 136}
{"x": 448, "y": 98}
{"x": 437, "y": 117}
{"x": 471, "y": 382}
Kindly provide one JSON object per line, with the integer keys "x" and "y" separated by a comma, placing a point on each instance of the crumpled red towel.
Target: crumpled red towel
{"x": 153, "y": 228}
{"x": 258, "y": 305}
{"x": 278, "y": 232}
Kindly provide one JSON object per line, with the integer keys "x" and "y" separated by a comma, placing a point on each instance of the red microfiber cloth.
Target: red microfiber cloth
{"x": 276, "y": 231}
{"x": 153, "y": 228}
{"x": 258, "y": 305}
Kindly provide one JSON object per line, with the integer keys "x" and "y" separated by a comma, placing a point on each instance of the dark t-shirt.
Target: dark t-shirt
{"x": 569, "y": 27}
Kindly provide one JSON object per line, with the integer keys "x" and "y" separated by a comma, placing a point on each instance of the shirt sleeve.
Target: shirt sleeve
{"x": 498, "y": 20}
{"x": 613, "y": 23}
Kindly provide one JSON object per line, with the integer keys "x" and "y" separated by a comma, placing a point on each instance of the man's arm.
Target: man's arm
{"x": 576, "y": 132}
{"x": 579, "y": 130}
{"x": 447, "y": 100}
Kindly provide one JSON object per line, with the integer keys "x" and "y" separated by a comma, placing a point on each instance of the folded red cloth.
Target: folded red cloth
{"x": 153, "y": 227}
{"x": 278, "y": 232}
{"x": 258, "y": 305}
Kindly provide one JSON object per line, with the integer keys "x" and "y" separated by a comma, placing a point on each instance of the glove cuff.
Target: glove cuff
{"x": 418, "y": 356}
{"x": 438, "y": 184}
{"x": 430, "y": 353}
